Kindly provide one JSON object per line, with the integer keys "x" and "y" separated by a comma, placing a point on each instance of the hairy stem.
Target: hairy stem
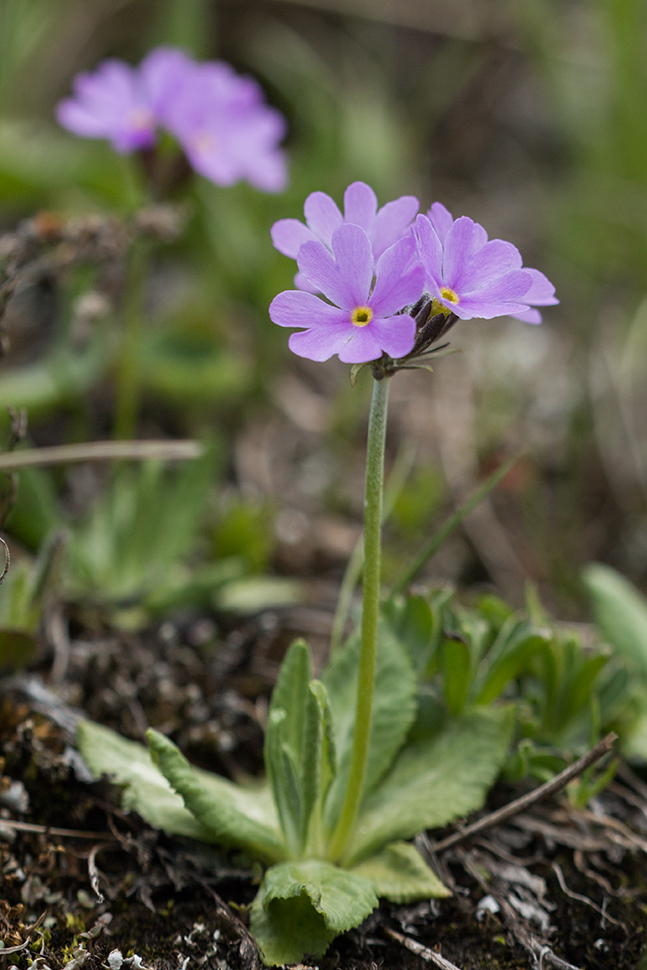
{"x": 370, "y": 616}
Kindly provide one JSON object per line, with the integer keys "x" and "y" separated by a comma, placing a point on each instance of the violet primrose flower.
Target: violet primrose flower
{"x": 476, "y": 277}
{"x": 361, "y": 321}
{"x": 322, "y": 214}
{"x": 224, "y": 126}
{"x": 219, "y": 117}
{"x": 112, "y": 103}
{"x": 426, "y": 278}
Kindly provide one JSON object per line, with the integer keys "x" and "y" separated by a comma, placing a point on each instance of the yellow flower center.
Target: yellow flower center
{"x": 361, "y": 316}
{"x": 448, "y": 294}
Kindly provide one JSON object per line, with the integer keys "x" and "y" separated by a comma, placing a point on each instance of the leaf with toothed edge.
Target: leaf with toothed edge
{"x": 399, "y": 873}
{"x": 215, "y": 810}
{"x": 302, "y": 906}
{"x": 433, "y": 782}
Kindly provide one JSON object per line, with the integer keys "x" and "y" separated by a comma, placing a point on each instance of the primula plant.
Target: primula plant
{"x": 354, "y": 769}
{"x": 218, "y": 117}
{"x": 176, "y": 116}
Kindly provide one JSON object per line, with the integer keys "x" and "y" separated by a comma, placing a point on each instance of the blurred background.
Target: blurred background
{"x": 527, "y": 115}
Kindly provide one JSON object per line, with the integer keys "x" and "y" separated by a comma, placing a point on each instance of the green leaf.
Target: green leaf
{"x": 432, "y": 783}
{"x": 508, "y": 656}
{"x": 399, "y": 873}
{"x": 620, "y": 613}
{"x": 146, "y": 790}
{"x": 634, "y": 746}
{"x": 414, "y": 621}
{"x": 302, "y": 906}
{"x": 393, "y": 709}
{"x": 291, "y": 692}
{"x": 582, "y": 685}
{"x": 290, "y": 710}
{"x": 299, "y": 747}
{"x": 220, "y": 806}
{"x": 283, "y": 774}
{"x": 457, "y": 672}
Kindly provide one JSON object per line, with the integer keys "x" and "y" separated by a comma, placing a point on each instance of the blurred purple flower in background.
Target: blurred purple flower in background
{"x": 476, "y": 277}
{"x": 112, "y": 103}
{"x": 220, "y": 118}
{"x": 362, "y": 320}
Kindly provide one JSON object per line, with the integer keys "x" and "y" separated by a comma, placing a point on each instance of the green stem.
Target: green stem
{"x": 392, "y": 490}
{"x": 370, "y": 617}
{"x": 128, "y": 362}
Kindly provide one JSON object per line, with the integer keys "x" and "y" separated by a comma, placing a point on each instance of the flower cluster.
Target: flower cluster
{"x": 220, "y": 118}
{"x": 372, "y": 281}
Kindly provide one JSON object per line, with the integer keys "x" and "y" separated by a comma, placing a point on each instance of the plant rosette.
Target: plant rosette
{"x": 306, "y": 899}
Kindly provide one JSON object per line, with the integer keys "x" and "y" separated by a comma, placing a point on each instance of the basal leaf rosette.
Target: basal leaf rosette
{"x": 306, "y": 900}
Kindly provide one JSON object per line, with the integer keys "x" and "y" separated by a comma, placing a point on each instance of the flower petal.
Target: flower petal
{"x": 302, "y": 284}
{"x": 267, "y": 171}
{"x": 400, "y": 278}
{"x": 542, "y": 291}
{"x": 288, "y": 235}
{"x": 396, "y": 335}
{"x": 471, "y": 308}
{"x": 317, "y": 344}
{"x": 490, "y": 261}
{"x": 510, "y": 286}
{"x": 355, "y": 263}
{"x": 318, "y": 265}
{"x": 430, "y": 250}
{"x": 441, "y": 219}
{"x": 360, "y": 205}
{"x": 322, "y": 215}
{"x": 162, "y": 71}
{"x": 479, "y": 238}
{"x": 457, "y": 249}
{"x": 391, "y": 223}
{"x": 529, "y": 316}
{"x": 294, "y": 308}
{"x": 361, "y": 346}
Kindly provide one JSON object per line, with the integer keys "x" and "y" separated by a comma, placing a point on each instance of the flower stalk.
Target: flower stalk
{"x": 128, "y": 362}
{"x": 373, "y": 501}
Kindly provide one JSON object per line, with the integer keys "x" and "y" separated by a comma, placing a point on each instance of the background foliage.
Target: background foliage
{"x": 528, "y": 116}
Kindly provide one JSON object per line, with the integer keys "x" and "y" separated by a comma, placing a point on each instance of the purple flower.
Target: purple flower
{"x": 382, "y": 226}
{"x": 361, "y": 321}
{"x": 220, "y": 118}
{"x": 222, "y": 122}
{"x": 476, "y": 277}
{"x": 112, "y": 103}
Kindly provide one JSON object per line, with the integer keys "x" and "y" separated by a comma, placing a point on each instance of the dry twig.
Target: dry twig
{"x": 430, "y": 956}
{"x": 101, "y": 451}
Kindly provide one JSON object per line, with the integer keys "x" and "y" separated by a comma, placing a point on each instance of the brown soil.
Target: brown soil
{"x": 556, "y": 886}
